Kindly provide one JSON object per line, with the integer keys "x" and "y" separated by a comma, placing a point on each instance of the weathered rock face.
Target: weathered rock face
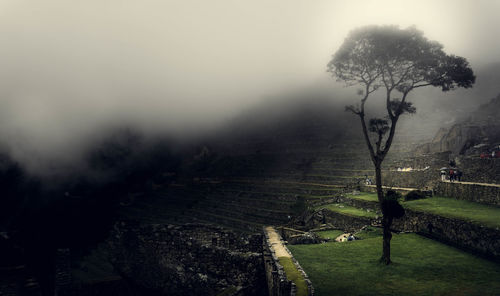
{"x": 191, "y": 259}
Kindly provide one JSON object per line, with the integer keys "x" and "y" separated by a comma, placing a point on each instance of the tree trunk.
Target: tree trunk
{"x": 386, "y": 220}
{"x": 386, "y": 245}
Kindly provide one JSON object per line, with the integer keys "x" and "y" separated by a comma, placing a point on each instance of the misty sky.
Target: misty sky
{"x": 70, "y": 67}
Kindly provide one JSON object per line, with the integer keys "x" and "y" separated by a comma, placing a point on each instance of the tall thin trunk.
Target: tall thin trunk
{"x": 386, "y": 220}
{"x": 386, "y": 245}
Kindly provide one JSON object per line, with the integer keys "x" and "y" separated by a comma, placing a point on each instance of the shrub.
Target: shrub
{"x": 414, "y": 194}
{"x": 391, "y": 206}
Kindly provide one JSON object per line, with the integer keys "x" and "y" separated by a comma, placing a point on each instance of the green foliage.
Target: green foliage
{"x": 414, "y": 195}
{"x": 391, "y": 206}
{"x": 393, "y": 195}
{"x": 293, "y": 274}
{"x": 421, "y": 267}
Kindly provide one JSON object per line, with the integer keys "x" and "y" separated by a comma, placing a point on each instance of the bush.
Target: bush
{"x": 414, "y": 194}
{"x": 391, "y": 206}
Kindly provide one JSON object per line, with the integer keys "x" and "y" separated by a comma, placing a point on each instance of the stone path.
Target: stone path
{"x": 396, "y": 188}
{"x": 473, "y": 183}
{"x": 276, "y": 244}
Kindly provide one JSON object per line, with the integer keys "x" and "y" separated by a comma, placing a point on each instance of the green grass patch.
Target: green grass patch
{"x": 348, "y": 210}
{"x": 364, "y": 196}
{"x": 293, "y": 274}
{"x": 460, "y": 209}
{"x": 448, "y": 207}
{"x": 421, "y": 267}
{"x": 329, "y": 234}
{"x": 369, "y": 232}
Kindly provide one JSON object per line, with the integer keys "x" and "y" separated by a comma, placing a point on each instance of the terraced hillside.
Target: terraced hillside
{"x": 247, "y": 180}
{"x": 247, "y": 177}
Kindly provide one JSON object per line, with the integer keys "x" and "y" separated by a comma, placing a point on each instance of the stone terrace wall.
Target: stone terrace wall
{"x": 277, "y": 283}
{"x": 413, "y": 179}
{"x": 191, "y": 259}
{"x": 471, "y": 192}
{"x": 344, "y": 222}
{"x": 458, "y": 232}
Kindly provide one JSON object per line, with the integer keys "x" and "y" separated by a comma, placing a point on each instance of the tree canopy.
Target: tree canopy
{"x": 399, "y": 61}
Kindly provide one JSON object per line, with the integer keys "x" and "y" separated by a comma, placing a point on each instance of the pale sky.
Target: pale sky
{"x": 69, "y": 67}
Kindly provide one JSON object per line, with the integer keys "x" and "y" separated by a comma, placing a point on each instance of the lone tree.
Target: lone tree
{"x": 397, "y": 61}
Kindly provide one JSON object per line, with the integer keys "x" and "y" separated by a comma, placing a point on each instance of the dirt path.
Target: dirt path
{"x": 276, "y": 244}
{"x": 473, "y": 183}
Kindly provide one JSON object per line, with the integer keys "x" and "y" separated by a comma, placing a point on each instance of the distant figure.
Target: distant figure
{"x": 443, "y": 175}
{"x": 451, "y": 175}
{"x": 459, "y": 175}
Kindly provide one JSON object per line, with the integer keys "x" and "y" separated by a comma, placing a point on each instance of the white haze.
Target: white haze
{"x": 68, "y": 69}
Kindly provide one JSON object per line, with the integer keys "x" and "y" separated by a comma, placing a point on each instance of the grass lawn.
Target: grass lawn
{"x": 364, "y": 196}
{"x": 461, "y": 209}
{"x": 348, "y": 210}
{"x": 448, "y": 207}
{"x": 421, "y": 267}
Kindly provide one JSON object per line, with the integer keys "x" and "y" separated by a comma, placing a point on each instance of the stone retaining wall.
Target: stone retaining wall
{"x": 277, "y": 282}
{"x": 344, "y": 222}
{"x": 412, "y": 179}
{"x": 468, "y": 235}
{"x": 190, "y": 259}
{"x": 471, "y": 192}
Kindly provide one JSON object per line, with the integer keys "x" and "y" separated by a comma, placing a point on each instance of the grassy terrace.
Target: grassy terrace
{"x": 348, "y": 210}
{"x": 461, "y": 209}
{"x": 421, "y": 267}
{"x": 449, "y": 207}
{"x": 364, "y": 196}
